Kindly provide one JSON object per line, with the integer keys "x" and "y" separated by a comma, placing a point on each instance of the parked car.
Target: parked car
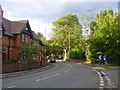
{"x": 52, "y": 59}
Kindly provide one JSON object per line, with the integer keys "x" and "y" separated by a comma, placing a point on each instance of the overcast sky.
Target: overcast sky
{"x": 41, "y": 13}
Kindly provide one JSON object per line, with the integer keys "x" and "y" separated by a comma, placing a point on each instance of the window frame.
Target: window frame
{"x": 23, "y": 37}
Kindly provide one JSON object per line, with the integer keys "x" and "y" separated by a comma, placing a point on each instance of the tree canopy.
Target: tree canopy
{"x": 104, "y": 36}
{"x": 67, "y": 31}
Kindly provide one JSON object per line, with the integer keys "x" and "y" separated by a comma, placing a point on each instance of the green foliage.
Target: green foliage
{"x": 13, "y": 61}
{"x": 77, "y": 53}
{"x": 41, "y": 37}
{"x": 67, "y": 28}
{"x": 26, "y": 51}
{"x": 104, "y": 37}
{"x": 52, "y": 48}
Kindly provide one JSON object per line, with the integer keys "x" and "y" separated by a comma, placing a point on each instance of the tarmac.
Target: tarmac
{"x": 113, "y": 74}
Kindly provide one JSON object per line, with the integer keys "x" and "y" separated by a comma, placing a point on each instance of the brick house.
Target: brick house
{"x": 13, "y": 35}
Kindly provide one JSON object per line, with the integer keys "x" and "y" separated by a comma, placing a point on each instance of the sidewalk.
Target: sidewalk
{"x": 20, "y": 73}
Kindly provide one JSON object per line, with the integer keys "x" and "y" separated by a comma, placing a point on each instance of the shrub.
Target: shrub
{"x": 77, "y": 53}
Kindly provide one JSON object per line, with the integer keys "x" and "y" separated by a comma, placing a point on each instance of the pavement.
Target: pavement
{"x": 20, "y": 73}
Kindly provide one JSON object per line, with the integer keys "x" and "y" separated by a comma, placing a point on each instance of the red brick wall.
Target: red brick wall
{"x": 4, "y": 40}
{"x": 18, "y": 40}
{"x": 33, "y": 65}
{"x": 17, "y": 67}
{"x": 10, "y": 67}
{"x": 16, "y": 53}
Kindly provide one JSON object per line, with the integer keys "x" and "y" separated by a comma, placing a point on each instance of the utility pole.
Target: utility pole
{"x": 45, "y": 41}
{"x": 45, "y": 32}
{"x": 69, "y": 45}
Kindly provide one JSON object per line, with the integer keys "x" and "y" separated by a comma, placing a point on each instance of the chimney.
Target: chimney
{"x": 1, "y": 13}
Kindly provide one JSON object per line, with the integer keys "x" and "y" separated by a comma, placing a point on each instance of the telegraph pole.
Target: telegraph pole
{"x": 69, "y": 45}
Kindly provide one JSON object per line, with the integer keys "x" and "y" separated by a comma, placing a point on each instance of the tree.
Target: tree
{"x": 52, "y": 48}
{"x": 67, "y": 28}
{"x": 104, "y": 37}
{"x": 41, "y": 37}
{"x": 26, "y": 52}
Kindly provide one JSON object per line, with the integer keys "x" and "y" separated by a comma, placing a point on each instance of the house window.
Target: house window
{"x": 34, "y": 56}
{"x": 22, "y": 37}
{"x": 37, "y": 43}
{"x": 27, "y": 38}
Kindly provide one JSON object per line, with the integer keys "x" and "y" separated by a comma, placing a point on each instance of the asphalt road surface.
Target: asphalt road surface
{"x": 63, "y": 75}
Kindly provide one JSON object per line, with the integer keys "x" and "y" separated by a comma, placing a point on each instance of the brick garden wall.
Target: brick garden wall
{"x": 10, "y": 67}
{"x": 6, "y": 68}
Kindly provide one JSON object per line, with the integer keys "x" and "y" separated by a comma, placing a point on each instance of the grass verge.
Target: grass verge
{"x": 110, "y": 67}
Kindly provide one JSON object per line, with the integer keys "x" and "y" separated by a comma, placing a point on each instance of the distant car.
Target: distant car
{"x": 52, "y": 60}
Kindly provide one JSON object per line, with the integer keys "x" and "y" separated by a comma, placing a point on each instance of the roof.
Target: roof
{"x": 13, "y": 27}
{"x": 17, "y": 26}
{"x": 7, "y": 27}
{"x": 35, "y": 36}
{"x": 42, "y": 43}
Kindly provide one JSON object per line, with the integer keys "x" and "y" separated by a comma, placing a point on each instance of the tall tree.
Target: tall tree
{"x": 105, "y": 36}
{"x": 41, "y": 37}
{"x": 67, "y": 31}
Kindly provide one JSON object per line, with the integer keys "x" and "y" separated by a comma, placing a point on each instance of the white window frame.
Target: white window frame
{"x": 23, "y": 37}
{"x": 0, "y": 29}
{"x": 27, "y": 38}
{"x": 34, "y": 56}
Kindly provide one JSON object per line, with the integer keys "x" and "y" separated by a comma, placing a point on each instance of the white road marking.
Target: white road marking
{"x": 69, "y": 68}
{"x": 101, "y": 80}
{"x": 47, "y": 77}
{"x": 102, "y": 72}
{"x": 11, "y": 87}
{"x": 109, "y": 82}
{"x": 69, "y": 65}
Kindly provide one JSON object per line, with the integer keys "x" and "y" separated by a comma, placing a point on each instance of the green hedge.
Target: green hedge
{"x": 77, "y": 54}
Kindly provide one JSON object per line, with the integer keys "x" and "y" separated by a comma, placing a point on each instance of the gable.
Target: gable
{"x": 17, "y": 26}
{"x": 7, "y": 27}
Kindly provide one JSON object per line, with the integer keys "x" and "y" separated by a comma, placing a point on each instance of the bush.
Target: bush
{"x": 13, "y": 61}
{"x": 77, "y": 53}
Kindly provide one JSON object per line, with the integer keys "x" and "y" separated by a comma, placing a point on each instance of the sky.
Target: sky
{"x": 41, "y": 13}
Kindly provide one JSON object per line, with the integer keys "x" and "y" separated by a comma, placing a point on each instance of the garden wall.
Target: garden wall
{"x": 7, "y": 68}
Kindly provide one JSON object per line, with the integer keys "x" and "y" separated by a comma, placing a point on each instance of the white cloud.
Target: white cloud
{"x": 37, "y": 26}
{"x": 59, "y": 1}
{"x": 41, "y": 13}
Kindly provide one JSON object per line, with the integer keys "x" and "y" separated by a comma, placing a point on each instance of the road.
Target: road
{"x": 63, "y": 75}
